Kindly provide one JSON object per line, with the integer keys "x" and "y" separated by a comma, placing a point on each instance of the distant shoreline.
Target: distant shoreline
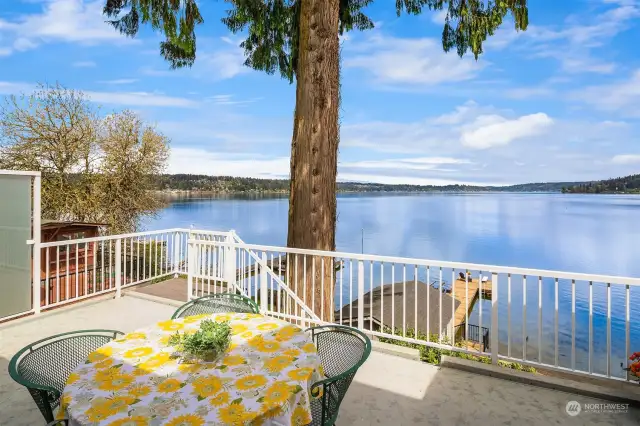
{"x": 399, "y": 192}
{"x": 185, "y": 184}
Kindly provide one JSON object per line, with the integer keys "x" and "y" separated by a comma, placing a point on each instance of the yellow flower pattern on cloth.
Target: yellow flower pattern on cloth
{"x": 100, "y": 354}
{"x": 138, "y": 380}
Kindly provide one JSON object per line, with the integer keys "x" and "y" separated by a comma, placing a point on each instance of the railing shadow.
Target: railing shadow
{"x": 395, "y": 391}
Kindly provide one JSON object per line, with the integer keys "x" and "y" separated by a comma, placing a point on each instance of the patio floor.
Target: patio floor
{"x": 387, "y": 390}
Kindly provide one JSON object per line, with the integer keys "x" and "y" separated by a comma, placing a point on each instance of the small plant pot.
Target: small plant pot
{"x": 187, "y": 358}
{"x": 210, "y": 356}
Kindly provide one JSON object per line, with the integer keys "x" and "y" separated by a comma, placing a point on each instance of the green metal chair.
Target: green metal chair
{"x": 44, "y": 366}
{"x": 217, "y": 303}
{"x": 342, "y": 350}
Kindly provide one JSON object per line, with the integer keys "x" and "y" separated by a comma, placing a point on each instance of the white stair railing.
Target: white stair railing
{"x": 259, "y": 269}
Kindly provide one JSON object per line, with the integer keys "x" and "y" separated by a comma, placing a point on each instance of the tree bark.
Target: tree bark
{"x": 314, "y": 152}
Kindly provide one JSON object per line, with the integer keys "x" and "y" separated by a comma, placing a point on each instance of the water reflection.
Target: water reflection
{"x": 578, "y": 233}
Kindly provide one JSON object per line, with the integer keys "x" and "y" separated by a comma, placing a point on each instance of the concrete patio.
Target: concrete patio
{"x": 388, "y": 390}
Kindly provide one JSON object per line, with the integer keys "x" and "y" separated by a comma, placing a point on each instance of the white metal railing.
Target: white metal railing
{"x": 581, "y": 323}
{"x": 73, "y": 270}
{"x": 572, "y": 322}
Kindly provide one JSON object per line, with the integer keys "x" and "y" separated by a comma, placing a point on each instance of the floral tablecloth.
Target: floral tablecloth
{"x": 265, "y": 378}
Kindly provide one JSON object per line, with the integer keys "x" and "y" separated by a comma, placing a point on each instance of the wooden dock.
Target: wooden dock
{"x": 467, "y": 292}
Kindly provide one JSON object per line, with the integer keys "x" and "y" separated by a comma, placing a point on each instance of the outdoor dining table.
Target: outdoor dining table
{"x": 265, "y": 377}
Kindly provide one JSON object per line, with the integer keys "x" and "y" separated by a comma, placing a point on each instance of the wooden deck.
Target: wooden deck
{"x": 174, "y": 289}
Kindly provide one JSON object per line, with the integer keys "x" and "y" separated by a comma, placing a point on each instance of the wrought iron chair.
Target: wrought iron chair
{"x": 217, "y": 303}
{"x": 44, "y": 366}
{"x": 342, "y": 350}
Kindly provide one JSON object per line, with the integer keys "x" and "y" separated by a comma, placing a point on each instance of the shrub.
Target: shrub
{"x": 208, "y": 343}
{"x": 433, "y": 355}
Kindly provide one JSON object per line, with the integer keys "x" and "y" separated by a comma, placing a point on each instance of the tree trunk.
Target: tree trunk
{"x": 314, "y": 152}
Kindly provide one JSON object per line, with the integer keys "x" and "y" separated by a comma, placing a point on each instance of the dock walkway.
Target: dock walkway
{"x": 467, "y": 292}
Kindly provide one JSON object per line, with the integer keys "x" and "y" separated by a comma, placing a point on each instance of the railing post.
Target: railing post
{"x": 264, "y": 306}
{"x": 494, "y": 340}
{"x": 118, "y": 277}
{"x": 230, "y": 262}
{"x": 191, "y": 264}
{"x": 360, "y": 295}
{"x": 176, "y": 254}
{"x": 36, "y": 266}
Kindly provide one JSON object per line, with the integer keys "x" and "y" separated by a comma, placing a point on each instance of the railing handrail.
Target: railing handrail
{"x": 577, "y": 276}
{"x": 263, "y": 265}
{"x": 130, "y": 235}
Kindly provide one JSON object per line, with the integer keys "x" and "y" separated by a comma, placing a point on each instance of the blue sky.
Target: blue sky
{"x": 559, "y": 102}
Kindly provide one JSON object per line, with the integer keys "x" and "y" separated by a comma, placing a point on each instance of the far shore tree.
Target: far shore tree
{"x": 299, "y": 39}
{"x": 94, "y": 169}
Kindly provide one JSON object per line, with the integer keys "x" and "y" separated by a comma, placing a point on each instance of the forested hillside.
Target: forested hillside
{"x": 621, "y": 185}
{"x": 229, "y": 184}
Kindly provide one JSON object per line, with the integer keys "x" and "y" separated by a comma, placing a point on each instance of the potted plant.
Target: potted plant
{"x": 634, "y": 368}
{"x": 207, "y": 344}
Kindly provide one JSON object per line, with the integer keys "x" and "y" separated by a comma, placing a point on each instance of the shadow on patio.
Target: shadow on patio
{"x": 388, "y": 390}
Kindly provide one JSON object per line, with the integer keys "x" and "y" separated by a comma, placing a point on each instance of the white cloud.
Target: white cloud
{"x": 468, "y": 126}
{"x": 22, "y": 43}
{"x": 112, "y": 98}
{"x": 218, "y": 59}
{"x": 576, "y": 60}
{"x": 572, "y": 44}
{"x": 229, "y": 100}
{"x": 526, "y": 147}
{"x": 230, "y": 130}
{"x": 622, "y": 96}
{"x": 438, "y": 17}
{"x": 71, "y": 21}
{"x": 493, "y": 130}
{"x": 408, "y": 180}
{"x": 626, "y": 159}
{"x": 201, "y": 161}
{"x": 84, "y": 64}
{"x": 528, "y": 92}
{"x": 400, "y": 61}
{"x": 120, "y": 81}
{"x": 10, "y": 87}
{"x": 224, "y": 62}
{"x": 425, "y": 163}
{"x": 430, "y": 150}
{"x": 140, "y": 99}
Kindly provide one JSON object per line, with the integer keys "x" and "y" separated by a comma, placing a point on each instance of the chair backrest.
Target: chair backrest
{"x": 44, "y": 366}
{"x": 217, "y": 303}
{"x": 342, "y": 350}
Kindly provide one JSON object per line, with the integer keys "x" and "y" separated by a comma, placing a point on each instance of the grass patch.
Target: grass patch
{"x": 433, "y": 355}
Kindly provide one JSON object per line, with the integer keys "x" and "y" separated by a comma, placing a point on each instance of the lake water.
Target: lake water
{"x": 576, "y": 233}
